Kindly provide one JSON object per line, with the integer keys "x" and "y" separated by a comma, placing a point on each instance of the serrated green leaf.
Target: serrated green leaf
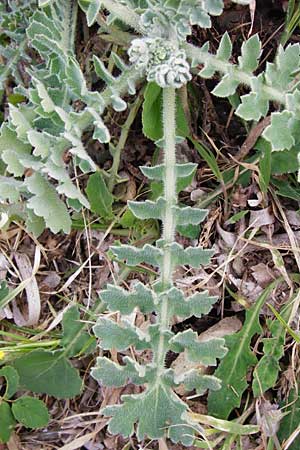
{"x": 251, "y": 51}
{"x": 278, "y": 132}
{"x": 117, "y": 299}
{"x": 240, "y": 358}
{"x": 72, "y": 327}
{"x": 154, "y": 411}
{"x": 205, "y": 352}
{"x": 7, "y": 422}
{"x": 101, "y": 200}
{"x": 31, "y": 412}
{"x": 46, "y": 204}
{"x": 11, "y": 376}
{"x": 47, "y": 372}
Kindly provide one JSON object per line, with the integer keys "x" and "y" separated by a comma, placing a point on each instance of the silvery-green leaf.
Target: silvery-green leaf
{"x": 194, "y": 379}
{"x": 225, "y": 48}
{"x": 157, "y": 172}
{"x": 148, "y": 209}
{"x": 196, "y": 305}
{"x": 278, "y": 133}
{"x": 204, "y": 352}
{"x": 251, "y": 51}
{"x": 109, "y": 373}
{"x": 93, "y": 11}
{"x": 21, "y": 118}
{"x": 118, "y": 336}
{"x": 75, "y": 78}
{"x": 117, "y": 299}
{"x": 9, "y": 142}
{"x": 155, "y": 410}
{"x": 253, "y": 107}
{"x": 46, "y": 204}
{"x": 188, "y": 215}
{"x": 226, "y": 87}
{"x": 102, "y": 72}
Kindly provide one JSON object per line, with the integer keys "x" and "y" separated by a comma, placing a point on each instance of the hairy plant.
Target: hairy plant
{"x": 38, "y": 133}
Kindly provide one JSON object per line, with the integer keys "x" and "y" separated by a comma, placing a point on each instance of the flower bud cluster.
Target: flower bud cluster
{"x": 161, "y": 61}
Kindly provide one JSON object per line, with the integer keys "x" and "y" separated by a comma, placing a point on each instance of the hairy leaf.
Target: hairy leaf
{"x": 117, "y": 299}
{"x": 155, "y": 411}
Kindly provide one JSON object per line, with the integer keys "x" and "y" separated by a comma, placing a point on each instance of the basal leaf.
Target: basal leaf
{"x": 101, "y": 200}
{"x": 47, "y": 372}
{"x": 72, "y": 327}
{"x": 31, "y": 412}
{"x": 291, "y": 421}
{"x": 11, "y": 377}
{"x": 234, "y": 367}
{"x": 7, "y": 422}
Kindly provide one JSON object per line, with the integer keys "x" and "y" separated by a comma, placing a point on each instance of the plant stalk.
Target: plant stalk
{"x": 169, "y": 223}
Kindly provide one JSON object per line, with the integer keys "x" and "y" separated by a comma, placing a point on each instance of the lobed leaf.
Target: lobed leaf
{"x": 205, "y": 352}
{"x": 117, "y": 299}
{"x": 155, "y": 411}
{"x": 111, "y": 374}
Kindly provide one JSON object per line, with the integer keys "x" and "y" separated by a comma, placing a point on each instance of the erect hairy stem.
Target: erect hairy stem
{"x": 169, "y": 224}
{"x": 123, "y": 13}
{"x": 169, "y": 121}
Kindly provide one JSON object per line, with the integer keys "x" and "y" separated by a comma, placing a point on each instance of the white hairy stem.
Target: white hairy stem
{"x": 203, "y": 57}
{"x": 169, "y": 221}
